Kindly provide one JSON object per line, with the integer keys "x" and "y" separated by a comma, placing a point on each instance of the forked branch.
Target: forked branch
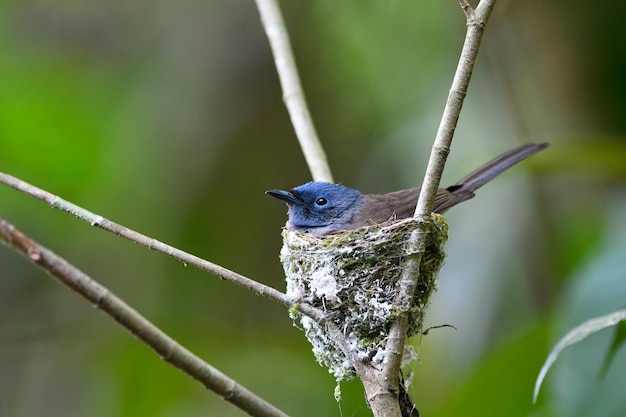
{"x": 476, "y": 22}
{"x": 381, "y": 385}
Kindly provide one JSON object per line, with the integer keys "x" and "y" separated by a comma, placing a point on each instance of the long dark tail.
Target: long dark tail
{"x": 496, "y": 166}
{"x": 464, "y": 189}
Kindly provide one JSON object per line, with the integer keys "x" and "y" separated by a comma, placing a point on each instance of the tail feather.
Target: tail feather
{"x": 496, "y": 166}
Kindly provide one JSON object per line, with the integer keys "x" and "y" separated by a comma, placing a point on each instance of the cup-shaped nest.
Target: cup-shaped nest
{"x": 352, "y": 276}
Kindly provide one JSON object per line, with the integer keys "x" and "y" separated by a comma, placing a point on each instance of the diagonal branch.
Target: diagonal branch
{"x": 150, "y": 243}
{"x": 293, "y": 95}
{"x": 167, "y": 348}
{"x": 476, "y": 22}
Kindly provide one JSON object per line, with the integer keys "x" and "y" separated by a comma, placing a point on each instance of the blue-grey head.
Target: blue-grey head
{"x": 320, "y": 208}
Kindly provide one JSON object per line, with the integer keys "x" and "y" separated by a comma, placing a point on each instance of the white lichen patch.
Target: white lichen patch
{"x": 324, "y": 286}
{"x": 352, "y": 276}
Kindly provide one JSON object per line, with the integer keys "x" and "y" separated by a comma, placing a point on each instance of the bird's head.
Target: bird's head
{"x": 319, "y": 208}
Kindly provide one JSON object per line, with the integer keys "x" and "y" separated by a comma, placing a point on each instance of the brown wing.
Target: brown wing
{"x": 379, "y": 208}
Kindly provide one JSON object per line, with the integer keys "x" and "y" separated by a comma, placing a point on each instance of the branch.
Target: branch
{"x": 167, "y": 348}
{"x": 150, "y": 243}
{"x": 293, "y": 95}
{"x": 476, "y": 21}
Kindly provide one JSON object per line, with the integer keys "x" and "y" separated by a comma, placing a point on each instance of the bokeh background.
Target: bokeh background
{"x": 167, "y": 117}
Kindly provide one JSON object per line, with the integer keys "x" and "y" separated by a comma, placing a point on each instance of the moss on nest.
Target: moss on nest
{"x": 352, "y": 276}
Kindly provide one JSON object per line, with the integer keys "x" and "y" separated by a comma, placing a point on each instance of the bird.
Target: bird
{"x": 321, "y": 208}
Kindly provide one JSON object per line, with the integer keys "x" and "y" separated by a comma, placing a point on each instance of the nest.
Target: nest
{"x": 352, "y": 276}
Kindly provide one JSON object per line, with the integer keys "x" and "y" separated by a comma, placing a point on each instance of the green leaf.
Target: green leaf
{"x": 577, "y": 334}
{"x": 618, "y": 340}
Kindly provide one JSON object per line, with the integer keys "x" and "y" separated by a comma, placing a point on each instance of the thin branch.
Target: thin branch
{"x": 293, "y": 95}
{"x": 467, "y": 9}
{"x": 476, "y": 21}
{"x": 150, "y": 243}
{"x": 167, "y": 348}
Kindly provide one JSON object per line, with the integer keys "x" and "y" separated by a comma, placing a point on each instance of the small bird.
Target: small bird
{"x": 321, "y": 208}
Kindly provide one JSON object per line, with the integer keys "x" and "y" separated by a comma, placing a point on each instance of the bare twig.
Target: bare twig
{"x": 476, "y": 21}
{"x": 467, "y": 9}
{"x": 293, "y": 95}
{"x": 167, "y": 348}
{"x": 143, "y": 240}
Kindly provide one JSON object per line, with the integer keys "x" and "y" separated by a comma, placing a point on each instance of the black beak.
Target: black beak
{"x": 287, "y": 196}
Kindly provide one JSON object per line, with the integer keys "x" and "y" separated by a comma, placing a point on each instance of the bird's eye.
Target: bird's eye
{"x": 321, "y": 201}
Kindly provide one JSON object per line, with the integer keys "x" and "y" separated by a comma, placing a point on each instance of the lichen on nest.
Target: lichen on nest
{"x": 352, "y": 277}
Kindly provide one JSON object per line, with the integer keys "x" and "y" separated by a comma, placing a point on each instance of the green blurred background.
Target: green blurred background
{"x": 167, "y": 117}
